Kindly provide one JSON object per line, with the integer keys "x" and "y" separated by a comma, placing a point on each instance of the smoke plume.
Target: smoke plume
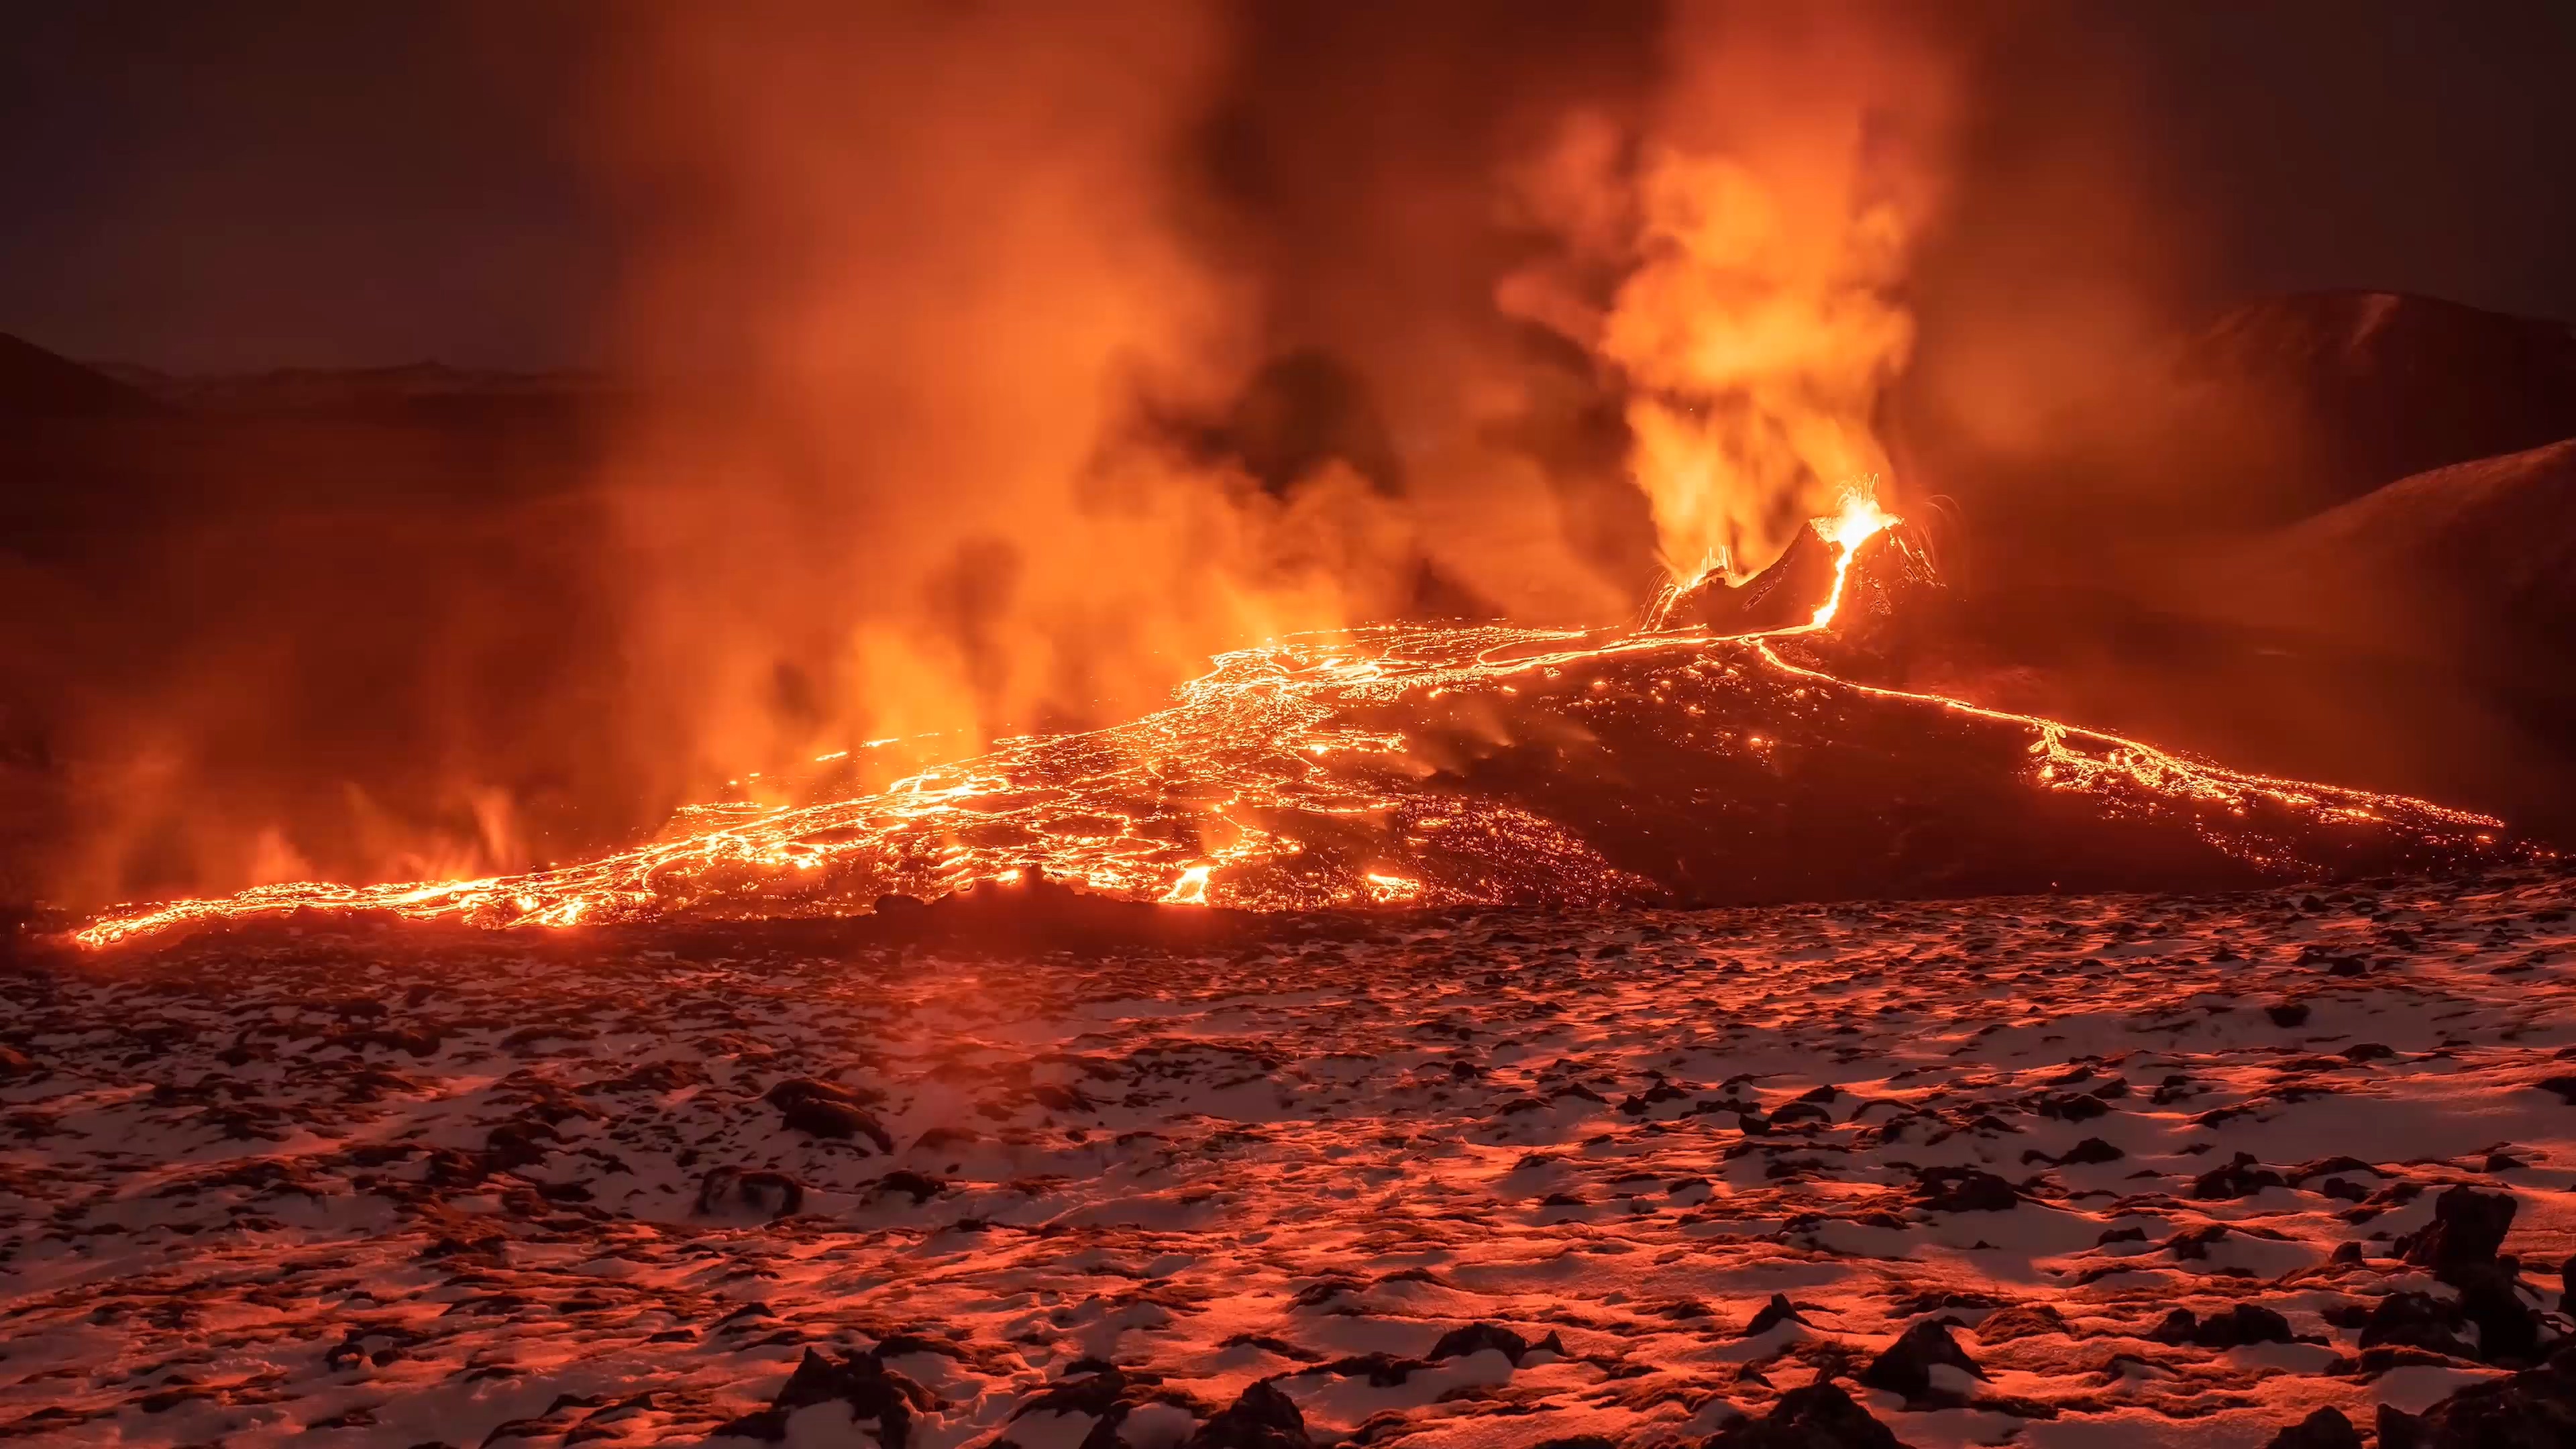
{"x": 935, "y": 264}
{"x": 1760, "y": 225}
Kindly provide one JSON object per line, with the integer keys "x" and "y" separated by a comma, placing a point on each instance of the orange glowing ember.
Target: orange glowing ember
{"x": 1274, "y": 782}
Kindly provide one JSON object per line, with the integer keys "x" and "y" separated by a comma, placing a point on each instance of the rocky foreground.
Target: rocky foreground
{"x": 2287, "y": 1168}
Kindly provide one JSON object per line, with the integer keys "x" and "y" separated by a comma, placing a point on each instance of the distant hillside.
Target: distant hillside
{"x": 302, "y": 389}
{"x": 35, "y": 383}
{"x": 2477, "y": 557}
{"x": 2275, "y": 410}
{"x": 2383, "y": 386}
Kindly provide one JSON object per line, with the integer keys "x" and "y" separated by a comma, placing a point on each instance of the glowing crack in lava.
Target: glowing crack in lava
{"x": 1441, "y": 765}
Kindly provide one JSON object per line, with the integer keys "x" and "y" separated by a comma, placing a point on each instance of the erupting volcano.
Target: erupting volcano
{"x": 993, "y": 760}
{"x": 1722, "y": 754}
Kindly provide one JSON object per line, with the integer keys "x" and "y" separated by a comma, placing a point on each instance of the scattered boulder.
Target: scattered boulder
{"x": 2325, "y": 1429}
{"x": 1906, "y": 1367}
{"x": 2491, "y": 1298}
{"x": 921, "y": 1187}
{"x": 1103, "y": 1391}
{"x": 1260, "y": 1418}
{"x": 2241, "y": 1324}
{"x": 771, "y": 1194}
{"x": 2415, "y": 1320}
{"x": 1383, "y": 1370}
{"x": 872, "y": 1391}
{"x": 1771, "y": 1315}
{"x": 2072, "y": 1106}
{"x": 2459, "y": 1246}
{"x": 1819, "y": 1416}
{"x": 519, "y": 1143}
{"x": 1963, "y": 1190}
{"x": 1476, "y": 1337}
{"x": 823, "y": 1109}
{"x": 2533, "y": 1409}
{"x": 2022, "y": 1320}
{"x": 2193, "y": 1243}
{"x": 2468, "y": 1227}
{"x": 2242, "y": 1177}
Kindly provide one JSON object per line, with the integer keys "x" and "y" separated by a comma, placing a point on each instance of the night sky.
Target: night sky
{"x": 259, "y": 182}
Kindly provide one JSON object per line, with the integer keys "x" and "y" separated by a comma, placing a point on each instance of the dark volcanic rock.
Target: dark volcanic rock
{"x": 1819, "y": 1416}
{"x": 2022, "y": 1320}
{"x": 2416, "y": 1320}
{"x": 919, "y": 1186}
{"x": 2091, "y": 1150}
{"x": 2243, "y": 1177}
{"x": 2534, "y": 1409}
{"x": 2459, "y": 1246}
{"x": 873, "y": 1392}
{"x": 1906, "y": 1367}
{"x": 1476, "y": 1337}
{"x": 2468, "y": 1227}
{"x": 1772, "y": 1314}
{"x": 1312, "y": 1065}
{"x": 1963, "y": 1190}
{"x": 2491, "y": 1298}
{"x": 2324, "y": 1429}
{"x": 1787, "y": 592}
{"x": 773, "y": 1194}
{"x": 1261, "y": 1418}
{"x": 821, "y": 1109}
{"x": 1102, "y": 1392}
{"x": 2241, "y": 1324}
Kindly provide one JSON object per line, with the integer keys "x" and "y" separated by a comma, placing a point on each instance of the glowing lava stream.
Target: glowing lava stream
{"x": 2156, "y": 770}
{"x": 1153, "y": 809}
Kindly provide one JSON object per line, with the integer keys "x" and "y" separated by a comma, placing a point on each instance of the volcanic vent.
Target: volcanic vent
{"x": 1719, "y": 755}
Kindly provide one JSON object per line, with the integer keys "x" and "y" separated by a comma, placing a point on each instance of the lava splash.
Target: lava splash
{"x": 1716, "y": 756}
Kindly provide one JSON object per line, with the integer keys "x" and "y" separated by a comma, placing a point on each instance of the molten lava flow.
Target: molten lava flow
{"x": 1860, "y": 520}
{"x": 1289, "y": 777}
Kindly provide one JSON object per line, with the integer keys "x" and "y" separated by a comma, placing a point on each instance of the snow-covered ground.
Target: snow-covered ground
{"x": 1480, "y": 1179}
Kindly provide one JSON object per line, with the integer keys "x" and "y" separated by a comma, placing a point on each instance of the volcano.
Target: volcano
{"x": 1732, "y": 760}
